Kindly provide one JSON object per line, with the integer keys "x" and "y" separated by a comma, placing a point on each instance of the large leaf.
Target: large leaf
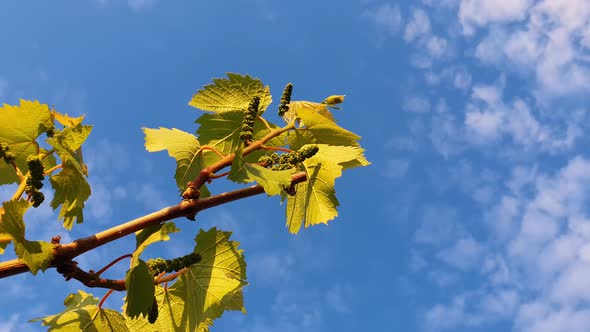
{"x": 222, "y": 131}
{"x": 230, "y": 94}
{"x": 36, "y": 254}
{"x": 71, "y": 192}
{"x": 273, "y": 182}
{"x": 80, "y": 310}
{"x": 150, "y": 235}
{"x": 19, "y": 128}
{"x": 205, "y": 291}
{"x": 315, "y": 200}
{"x": 183, "y": 147}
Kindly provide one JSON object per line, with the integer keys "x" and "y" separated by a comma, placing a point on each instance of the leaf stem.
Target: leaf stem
{"x": 276, "y": 148}
{"x": 210, "y": 148}
{"x": 104, "y": 298}
{"x": 111, "y": 264}
{"x": 265, "y": 122}
{"x": 52, "y": 169}
{"x": 205, "y": 174}
{"x": 21, "y": 188}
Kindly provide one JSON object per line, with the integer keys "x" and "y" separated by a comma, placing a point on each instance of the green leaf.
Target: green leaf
{"x": 140, "y": 280}
{"x": 140, "y": 290}
{"x": 222, "y": 131}
{"x": 205, "y": 291}
{"x": 19, "y": 128}
{"x": 79, "y": 313}
{"x": 7, "y": 173}
{"x": 297, "y": 106}
{"x": 315, "y": 199}
{"x": 71, "y": 191}
{"x": 319, "y": 129}
{"x": 183, "y": 147}
{"x": 233, "y": 93}
{"x": 66, "y": 120}
{"x": 150, "y": 235}
{"x": 273, "y": 182}
{"x": 36, "y": 254}
{"x": 68, "y": 145}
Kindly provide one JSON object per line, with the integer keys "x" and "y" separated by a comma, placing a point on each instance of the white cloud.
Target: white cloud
{"x": 446, "y": 134}
{"x": 488, "y": 119}
{"x": 550, "y": 45}
{"x": 473, "y": 13}
{"x": 274, "y": 268}
{"x": 416, "y": 104}
{"x": 387, "y": 18}
{"x": 464, "y": 254}
{"x": 418, "y": 25}
{"x": 438, "y": 225}
{"x": 10, "y": 324}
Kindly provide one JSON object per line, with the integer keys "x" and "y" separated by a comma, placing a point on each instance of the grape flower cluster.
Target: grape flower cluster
{"x": 287, "y": 160}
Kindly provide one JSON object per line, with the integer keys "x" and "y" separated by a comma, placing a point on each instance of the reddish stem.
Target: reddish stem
{"x": 276, "y": 148}
{"x": 104, "y": 298}
{"x": 111, "y": 264}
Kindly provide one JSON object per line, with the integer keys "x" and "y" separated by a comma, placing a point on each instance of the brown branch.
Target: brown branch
{"x": 187, "y": 208}
{"x": 205, "y": 174}
{"x": 70, "y": 270}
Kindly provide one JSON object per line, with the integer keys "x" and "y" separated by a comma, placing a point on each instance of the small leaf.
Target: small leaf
{"x": 66, "y": 120}
{"x": 320, "y": 129}
{"x": 71, "y": 192}
{"x": 37, "y": 255}
{"x": 151, "y": 235}
{"x": 183, "y": 147}
{"x": 140, "y": 290}
{"x": 79, "y": 315}
{"x": 231, "y": 94}
{"x": 273, "y": 182}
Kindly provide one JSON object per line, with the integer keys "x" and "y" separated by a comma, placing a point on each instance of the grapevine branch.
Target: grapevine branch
{"x": 64, "y": 253}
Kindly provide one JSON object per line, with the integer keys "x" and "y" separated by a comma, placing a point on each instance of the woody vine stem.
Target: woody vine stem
{"x": 188, "y": 207}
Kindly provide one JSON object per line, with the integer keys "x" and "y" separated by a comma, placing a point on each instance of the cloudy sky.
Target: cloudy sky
{"x": 472, "y": 217}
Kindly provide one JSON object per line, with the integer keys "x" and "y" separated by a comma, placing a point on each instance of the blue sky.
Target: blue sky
{"x": 472, "y": 217}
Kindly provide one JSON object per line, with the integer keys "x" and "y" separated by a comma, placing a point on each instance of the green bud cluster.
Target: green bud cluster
{"x": 249, "y": 118}
{"x": 35, "y": 180}
{"x": 288, "y": 160}
{"x": 153, "y": 313}
{"x": 285, "y": 99}
{"x": 159, "y": 265}
{"x": 5, "y": 154}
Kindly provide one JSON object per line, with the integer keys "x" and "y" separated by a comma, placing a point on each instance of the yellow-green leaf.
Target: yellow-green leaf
{"x": 19, "y": 128}
{"x": 183, "y": 147}
{"x": 66, "y": 120}
{"x": 273, "y": 182}
{"x": 81, "y": 315}
{"x": 37, "y": 255}
{"x": 315, "y": 200}
{"x": 232, "y": 93}
{"x": 205, "y": 291}
{"x": 71, "y": 192}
